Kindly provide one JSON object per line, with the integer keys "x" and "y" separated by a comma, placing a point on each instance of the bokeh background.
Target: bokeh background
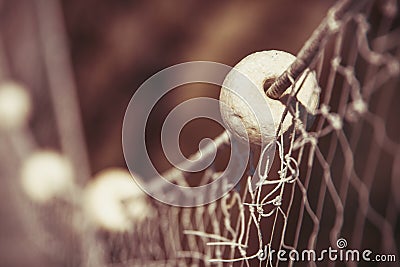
{"x": 116, "y": 45}
{"x": 113, "y": 47}
{"x": 108, "y": 49}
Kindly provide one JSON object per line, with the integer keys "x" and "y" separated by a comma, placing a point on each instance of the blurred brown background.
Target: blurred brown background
{"x": 117, "y": 45}
{"x": 114, "y": 46}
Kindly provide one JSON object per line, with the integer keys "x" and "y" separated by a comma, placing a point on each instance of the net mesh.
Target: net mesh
{"x": 347, "y": 162}
{"x": 336, "y": 180}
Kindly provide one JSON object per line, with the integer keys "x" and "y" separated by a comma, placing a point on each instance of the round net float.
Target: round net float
{"x": 113, "y": 201}
{"x": 240, "y": 102}
{"x": 15, "y": 105}
{"x": 46, "y": 174}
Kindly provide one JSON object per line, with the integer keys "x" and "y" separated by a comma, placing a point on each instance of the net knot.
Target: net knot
{"x": 359, "y": 106}
{"x": 277, "y": 201}
{"x": 336, "y": 62}
{"x": 356, "y": 109}
{"x": 335, "y": 121}
{"x": 333, "y": 23}
{"x": 333, "y": 118}
{"x": 260, "y": 210}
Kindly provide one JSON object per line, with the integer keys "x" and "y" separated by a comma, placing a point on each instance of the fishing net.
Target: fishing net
{"x": 334, "y": 181}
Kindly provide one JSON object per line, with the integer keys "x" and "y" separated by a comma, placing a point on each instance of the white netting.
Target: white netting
{"x": 335, "y": 180}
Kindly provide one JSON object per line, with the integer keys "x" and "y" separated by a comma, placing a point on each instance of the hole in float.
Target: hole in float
{"x": 268, "y": 82}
